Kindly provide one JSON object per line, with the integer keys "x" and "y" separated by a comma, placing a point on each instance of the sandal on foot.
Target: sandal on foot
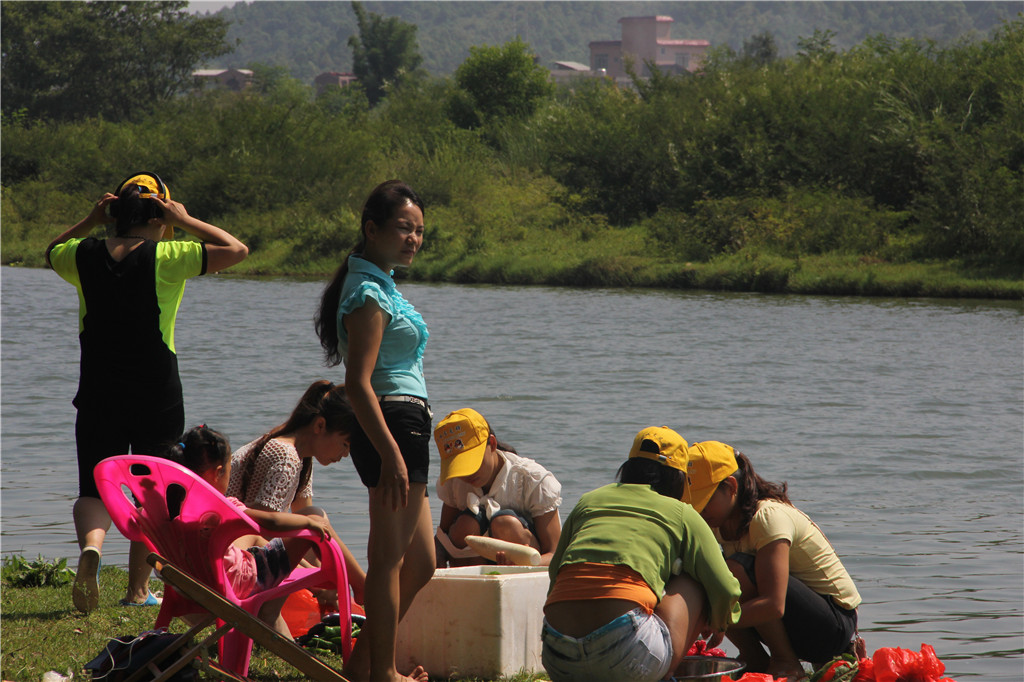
{"x": 85, "y": 593}
{"x": 151, "y": 600}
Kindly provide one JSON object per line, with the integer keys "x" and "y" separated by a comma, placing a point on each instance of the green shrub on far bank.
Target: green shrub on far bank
{"x": 799, "y": 222}
{"x": 877, "y": 164}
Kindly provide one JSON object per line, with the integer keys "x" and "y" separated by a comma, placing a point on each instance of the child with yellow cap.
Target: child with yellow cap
{"x": 798, "y": 599}
{"x": 637, "y": 574}
{"x": 488, "y": 489}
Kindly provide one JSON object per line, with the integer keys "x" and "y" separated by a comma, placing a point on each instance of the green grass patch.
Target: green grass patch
{"x": 42, "y": 631}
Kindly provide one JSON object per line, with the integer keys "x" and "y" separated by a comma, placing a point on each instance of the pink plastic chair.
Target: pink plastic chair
{"x": 183, "y": 518}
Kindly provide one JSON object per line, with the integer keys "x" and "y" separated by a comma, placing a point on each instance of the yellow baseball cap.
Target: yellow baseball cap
{"x": 154, "y": 187}
{"x": 661, "y": 444}
{"x": 709, "y": 464}
{"x": 461, "y": 439}
{"x": 150, "y": 187}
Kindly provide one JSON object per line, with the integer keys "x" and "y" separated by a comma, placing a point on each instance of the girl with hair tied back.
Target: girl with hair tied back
{"x": 275, "y": 472}
{"x": 798, "y": 599}
{"x": 365, "y": 322}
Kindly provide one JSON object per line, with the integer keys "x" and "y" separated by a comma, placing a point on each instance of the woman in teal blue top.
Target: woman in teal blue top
{"x": 365, "y": 322}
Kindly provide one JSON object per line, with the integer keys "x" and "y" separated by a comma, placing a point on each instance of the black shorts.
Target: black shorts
{"x": 105, "y": 433}
{"x": 410, "y": 426}
{"x": 818, "y": 628}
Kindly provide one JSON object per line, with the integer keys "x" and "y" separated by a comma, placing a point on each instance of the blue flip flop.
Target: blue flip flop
{"x": 151, "y": 600}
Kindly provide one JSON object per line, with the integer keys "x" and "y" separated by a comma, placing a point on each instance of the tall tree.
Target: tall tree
{"x": 72, "y": 60}
{"x": 503, "y": 80}
{"x": 761, "y": 48}
{"x": 383, "y": 53}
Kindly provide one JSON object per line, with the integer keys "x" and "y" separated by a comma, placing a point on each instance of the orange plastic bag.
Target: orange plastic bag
{"x": 301, "y": 611}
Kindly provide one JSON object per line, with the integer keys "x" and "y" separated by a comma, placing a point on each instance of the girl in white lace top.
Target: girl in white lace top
{"x": 275, "y": 471}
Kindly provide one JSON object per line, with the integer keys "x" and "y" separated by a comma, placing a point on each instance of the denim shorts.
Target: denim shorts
{"x": 485, "y": 524}
{"x": 272, "y": 564}
{"x": 635, "y": 646}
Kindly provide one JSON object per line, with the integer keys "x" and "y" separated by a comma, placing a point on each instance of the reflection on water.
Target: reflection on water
{"x": 898, "y": 424}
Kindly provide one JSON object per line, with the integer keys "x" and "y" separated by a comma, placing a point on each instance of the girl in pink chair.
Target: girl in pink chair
{"x": 252, "y": 563}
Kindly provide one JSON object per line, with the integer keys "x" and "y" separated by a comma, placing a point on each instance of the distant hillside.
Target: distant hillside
{"x": 307, "y": 38}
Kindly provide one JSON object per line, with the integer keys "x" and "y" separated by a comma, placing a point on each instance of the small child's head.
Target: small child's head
{"x": 658, "y": 459}
{"x": 463, "y": 438}
{"x": 207, "y": 453}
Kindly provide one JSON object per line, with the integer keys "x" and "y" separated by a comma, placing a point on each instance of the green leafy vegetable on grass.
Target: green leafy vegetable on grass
{"x": 20, "y": 572}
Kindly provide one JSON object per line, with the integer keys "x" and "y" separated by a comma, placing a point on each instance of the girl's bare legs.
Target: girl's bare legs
{"x": 297, "y": 548}
{"x": 682, "y": 610}
{"x": 356, "y": 574}
{"x": 782, "y": 661}
{"x": 751, "y": 652}
{"x": 91, "y": 522}
{"x": 401, "y": 562}
{"x": 91, "y": 525}
{"x": 462, "y": 526}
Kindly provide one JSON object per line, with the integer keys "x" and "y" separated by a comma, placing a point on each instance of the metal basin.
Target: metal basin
{"x": 707, "y": 668}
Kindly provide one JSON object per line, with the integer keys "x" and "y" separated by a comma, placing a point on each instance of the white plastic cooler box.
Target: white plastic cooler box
{"x": 476, "y": 621}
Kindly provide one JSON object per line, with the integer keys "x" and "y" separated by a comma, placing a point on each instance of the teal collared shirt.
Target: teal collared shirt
{"x": 399, "y": 368}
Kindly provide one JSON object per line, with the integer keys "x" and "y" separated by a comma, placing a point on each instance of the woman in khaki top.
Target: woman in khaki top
{"x": 798, "y": 600}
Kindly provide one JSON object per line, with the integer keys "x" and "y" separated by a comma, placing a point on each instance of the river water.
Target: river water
{"x": 897, "y": 423}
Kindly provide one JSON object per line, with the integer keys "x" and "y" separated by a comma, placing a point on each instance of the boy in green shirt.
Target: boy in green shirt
{"x": 637, "y": 573}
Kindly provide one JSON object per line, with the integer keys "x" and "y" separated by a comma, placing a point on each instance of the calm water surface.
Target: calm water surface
{"x": 897, "y": 423}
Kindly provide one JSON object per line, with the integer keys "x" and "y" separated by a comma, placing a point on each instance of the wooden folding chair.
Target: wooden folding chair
{"x": 231, "y": 617}
{"x": 188, "y": 653}
{"x": 182, "y": 518}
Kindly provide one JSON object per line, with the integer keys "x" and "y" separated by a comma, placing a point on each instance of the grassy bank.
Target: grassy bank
{"x": 744, "y": 271}
{"x": 527, "y": 239}
{"x": 42, "y": 631}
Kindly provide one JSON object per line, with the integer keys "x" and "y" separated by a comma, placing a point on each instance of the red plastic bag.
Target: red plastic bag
{"x": 902, "y": 665}
{"x": 865, "y": 670}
